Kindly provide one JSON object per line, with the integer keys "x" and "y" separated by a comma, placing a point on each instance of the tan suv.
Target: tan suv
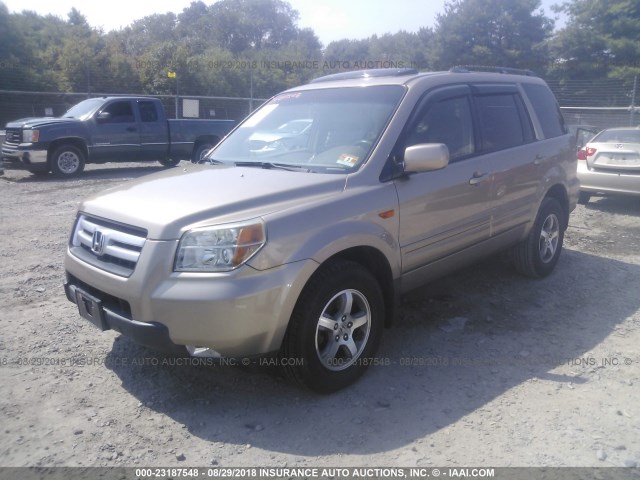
{"x": 315, "y": 214}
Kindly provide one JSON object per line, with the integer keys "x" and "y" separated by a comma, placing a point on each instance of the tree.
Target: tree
{"x": 12, "y": 51}
{"x": 30, "y": 50}
{"x": 80, "y": 55}
{"x": 492, "y": 32}
{"x": 147, "y": 33}
{"x": 241, "y": 25}
{"x": 195, "y": 28}
{"x": 600, "y": 39}
{"x": 398, "y": 50}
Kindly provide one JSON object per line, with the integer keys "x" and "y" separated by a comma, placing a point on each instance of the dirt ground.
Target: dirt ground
{"x": 483, "y": 368}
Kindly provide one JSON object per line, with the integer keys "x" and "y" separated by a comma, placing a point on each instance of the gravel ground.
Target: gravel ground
{"x": 483, "y": 368}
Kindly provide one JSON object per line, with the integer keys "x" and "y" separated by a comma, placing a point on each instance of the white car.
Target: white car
{"x": 610, "y": 164}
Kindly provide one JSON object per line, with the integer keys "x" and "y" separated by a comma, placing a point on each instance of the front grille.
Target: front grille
{"x": 107, "y": 245}
{"x": 13, "y": 135}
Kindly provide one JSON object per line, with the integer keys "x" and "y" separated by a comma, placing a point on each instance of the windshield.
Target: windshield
{"x": 84, "y": 109}
{"x": 330, "y": 130}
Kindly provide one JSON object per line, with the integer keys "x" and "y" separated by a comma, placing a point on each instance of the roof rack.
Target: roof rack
{"x": 485, "y": 68}
{"x": 374, "y": 72}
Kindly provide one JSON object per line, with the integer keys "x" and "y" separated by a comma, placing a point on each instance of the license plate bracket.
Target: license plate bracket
{"x": 90, "y": 308}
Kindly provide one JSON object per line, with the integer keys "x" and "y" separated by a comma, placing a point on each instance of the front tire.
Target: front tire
{"x": 67, "y": 161}
{"x": 536, "y": 256}
{"x": 335, "y": 328}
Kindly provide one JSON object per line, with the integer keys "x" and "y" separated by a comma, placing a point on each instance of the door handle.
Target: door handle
{"x": 538, "y": 160}
{"x": 478, "y": 177}
{"x": 131, "y": 129}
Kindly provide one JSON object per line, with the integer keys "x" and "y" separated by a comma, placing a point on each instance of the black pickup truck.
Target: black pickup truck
{"x": 109, "y": 129}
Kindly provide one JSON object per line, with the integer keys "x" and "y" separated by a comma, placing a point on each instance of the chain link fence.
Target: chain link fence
{"x": 604, "y": 103}
{"x": 18, "y": 104}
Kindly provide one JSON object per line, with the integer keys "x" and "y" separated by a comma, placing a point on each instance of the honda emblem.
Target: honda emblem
{"x": 97, "y": 244}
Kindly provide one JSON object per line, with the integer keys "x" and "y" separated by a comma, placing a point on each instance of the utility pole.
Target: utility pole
{"x": 88, "y": 67}
{"x": 172, "y": 74}
{"x": 250, "y": 89}
{"x": 632, "y": 117}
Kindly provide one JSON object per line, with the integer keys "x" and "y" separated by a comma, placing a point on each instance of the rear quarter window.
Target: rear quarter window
{"x": 547, "y": 110}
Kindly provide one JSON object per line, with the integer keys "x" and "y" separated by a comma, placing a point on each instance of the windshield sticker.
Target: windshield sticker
{"x": 287, "y": 96}
{"x": 347, "y": 160}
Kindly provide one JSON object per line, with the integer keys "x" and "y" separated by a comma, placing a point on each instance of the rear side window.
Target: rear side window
{"x": 148, "y": 111}
{"x": 503, "y": 120}
{"x": 547, "y": 110}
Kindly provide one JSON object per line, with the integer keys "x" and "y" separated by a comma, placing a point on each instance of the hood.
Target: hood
{"x": 166, "y": 203}
{"x": 35, "y": 122}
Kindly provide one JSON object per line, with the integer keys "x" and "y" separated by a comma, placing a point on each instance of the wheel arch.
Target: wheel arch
{"x": 74, "y": 141}
{"x": 204, "y": 140}
{"x": 377, "y": 264}
{"x": 559, "y": 192}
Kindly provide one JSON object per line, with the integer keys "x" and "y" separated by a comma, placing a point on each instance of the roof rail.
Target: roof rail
{"x": 374, "y": 72}
{"x": 496, "y": 69}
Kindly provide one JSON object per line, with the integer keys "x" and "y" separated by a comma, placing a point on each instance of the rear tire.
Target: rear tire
{"x": 169, "y": 162}
{"x": 335, "y": 328}
{"x": 536, "y": 256}
{"x": 200, "y": 150}
{"x": 67, "y": 161}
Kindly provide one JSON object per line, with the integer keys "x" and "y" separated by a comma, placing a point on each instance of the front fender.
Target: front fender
{"x": 362, "y": 217}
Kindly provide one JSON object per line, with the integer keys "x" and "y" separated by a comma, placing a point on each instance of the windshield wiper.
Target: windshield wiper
{"x": 278, "y": 166}
{"x": 210, "y": 161}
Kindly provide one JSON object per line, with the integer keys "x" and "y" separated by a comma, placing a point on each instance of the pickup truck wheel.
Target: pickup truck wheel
{"x": 199, "y": 152}
{"x": 67, "y": 161}
{"x": 169, "y": 162}
{"x": 335, "y": 328}
{"x": 537, "y": 255}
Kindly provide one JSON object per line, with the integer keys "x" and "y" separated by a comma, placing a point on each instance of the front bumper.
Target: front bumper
{"x": 237, "y": 314}
{"x": 152, "y": 335}
{"x": 623, "y": 183}
{"x": 26, "y": 154}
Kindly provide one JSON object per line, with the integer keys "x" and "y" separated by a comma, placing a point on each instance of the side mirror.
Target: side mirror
{"x": 426, "y": 157}
{"x": 103, "y": 117}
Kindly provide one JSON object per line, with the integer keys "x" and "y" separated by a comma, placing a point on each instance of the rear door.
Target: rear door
{"x": 507, "y": 136}
{"x": 116, "y": 135}
{"x": 444, "y": 211}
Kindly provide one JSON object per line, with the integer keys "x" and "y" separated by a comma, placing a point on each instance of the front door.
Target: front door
{"x": 444, "y": 211}
{"x": 116, "y": 135}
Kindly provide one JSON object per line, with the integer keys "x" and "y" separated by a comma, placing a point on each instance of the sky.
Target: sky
{"x": 330, "y": 19}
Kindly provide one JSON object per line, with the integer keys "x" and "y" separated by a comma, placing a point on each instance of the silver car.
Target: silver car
{"x": 610, "y": 164}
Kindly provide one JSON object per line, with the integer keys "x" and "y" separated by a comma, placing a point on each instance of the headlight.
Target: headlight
{"x": 220, "y": 248}
{"x": 30, "y": 136}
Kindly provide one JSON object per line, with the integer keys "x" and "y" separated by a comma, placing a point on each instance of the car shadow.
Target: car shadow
{"x": 458, "y": 344}
{"x": 627, "y": 205}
